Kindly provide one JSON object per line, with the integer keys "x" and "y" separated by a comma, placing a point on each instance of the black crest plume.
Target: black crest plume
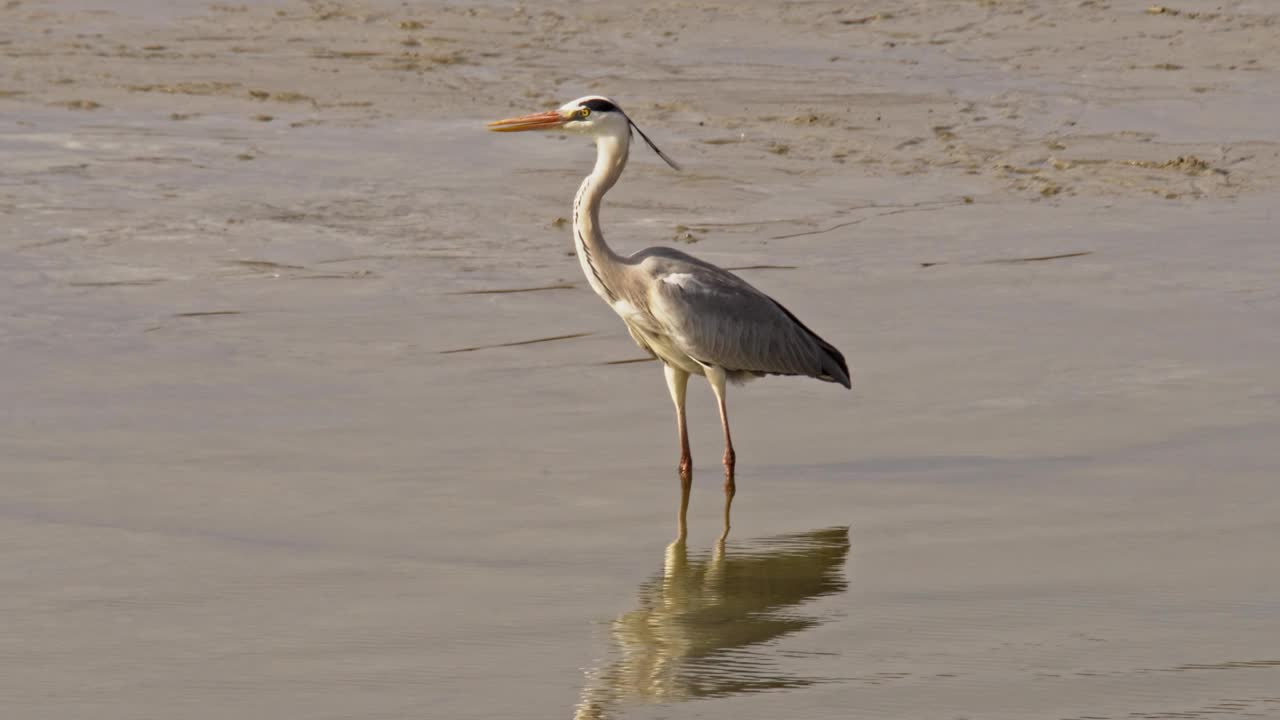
{"x": 603, "y": 105}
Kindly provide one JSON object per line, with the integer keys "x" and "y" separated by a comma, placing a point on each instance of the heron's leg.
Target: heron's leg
{"x": 677, "y": 383}
{"x": 724, "y": 533}
{"x": 717, "y": 377}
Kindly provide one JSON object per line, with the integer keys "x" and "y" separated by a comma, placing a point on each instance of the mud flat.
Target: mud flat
{"x": 308, "y": 412}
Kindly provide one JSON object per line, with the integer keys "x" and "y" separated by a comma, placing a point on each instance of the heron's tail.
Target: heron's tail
{"x": 834, "y": 368}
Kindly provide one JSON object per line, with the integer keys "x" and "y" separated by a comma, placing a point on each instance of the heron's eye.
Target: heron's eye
{"x": 584, "y": 112}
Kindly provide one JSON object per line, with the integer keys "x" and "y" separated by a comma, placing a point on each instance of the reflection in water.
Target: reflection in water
{"x": 701, "y": 624}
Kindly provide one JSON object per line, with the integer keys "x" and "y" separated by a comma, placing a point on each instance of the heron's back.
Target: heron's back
{"x": 691, "y": 313}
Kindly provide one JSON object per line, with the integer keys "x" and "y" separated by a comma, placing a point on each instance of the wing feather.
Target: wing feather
{"x": 717, "y": 318}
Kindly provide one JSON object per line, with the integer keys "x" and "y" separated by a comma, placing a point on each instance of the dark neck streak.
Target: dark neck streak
{"x": 584, "y": 247}
{"x": 601, "y": 264}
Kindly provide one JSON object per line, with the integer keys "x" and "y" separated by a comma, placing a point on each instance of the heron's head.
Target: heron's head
{"x": 594, "y": 115}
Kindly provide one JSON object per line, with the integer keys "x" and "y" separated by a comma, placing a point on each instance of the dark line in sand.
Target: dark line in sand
{"x": 45, "y": 243}
{"x": 918, "y": 207}
{"x": 353, "y": 275}
{"x": 745, "y": 223}
{"x": 391, "y": 256}
{"x": 117, "y": 283}
{"x": 1009, "y": 261}
{"x": 763, "y": 267}
{"x": 206, "y": 313}
{"x": 506, "y": 291}
{"x": 265, "y": 265}
{"x": 519, "y": 342}
{"x": 628, "y": 362}
{"x": 1039, "y": 258}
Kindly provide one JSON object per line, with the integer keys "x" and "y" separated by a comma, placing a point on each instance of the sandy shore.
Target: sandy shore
{"x": 275, "y": 442}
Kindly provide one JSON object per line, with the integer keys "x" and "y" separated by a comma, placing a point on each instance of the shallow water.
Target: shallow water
{"x": 315, "y": 417}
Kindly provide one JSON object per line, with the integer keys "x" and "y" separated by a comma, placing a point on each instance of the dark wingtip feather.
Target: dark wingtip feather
{"x": 838, "y": 370}
{"x": 841, "y": 365}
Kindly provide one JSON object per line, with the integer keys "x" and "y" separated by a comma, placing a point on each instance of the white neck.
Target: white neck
{"x": 599, "y": 262}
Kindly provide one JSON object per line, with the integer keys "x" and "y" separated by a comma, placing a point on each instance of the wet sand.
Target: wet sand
{"x": 308, "y": 411}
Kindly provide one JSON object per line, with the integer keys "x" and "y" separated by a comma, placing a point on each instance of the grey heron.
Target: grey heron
{"x": 698, "y": 319}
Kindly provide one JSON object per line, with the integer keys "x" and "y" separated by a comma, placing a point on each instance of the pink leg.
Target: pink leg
{"x": 677, "y": 383}
{"x": 717, "y": 378}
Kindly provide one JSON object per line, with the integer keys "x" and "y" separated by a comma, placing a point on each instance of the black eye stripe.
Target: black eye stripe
{"x": 600, "y": 105}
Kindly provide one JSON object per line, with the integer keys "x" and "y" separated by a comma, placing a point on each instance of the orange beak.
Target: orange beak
{"x": 537, "y": 121}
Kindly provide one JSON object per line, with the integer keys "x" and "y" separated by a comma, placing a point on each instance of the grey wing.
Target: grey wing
{"x": 719, "y": 319}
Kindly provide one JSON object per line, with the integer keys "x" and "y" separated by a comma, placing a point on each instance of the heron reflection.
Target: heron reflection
{"x": 701, "y": 625}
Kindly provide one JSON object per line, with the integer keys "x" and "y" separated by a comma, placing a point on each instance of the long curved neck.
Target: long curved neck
{"x": 600, "y": 263}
